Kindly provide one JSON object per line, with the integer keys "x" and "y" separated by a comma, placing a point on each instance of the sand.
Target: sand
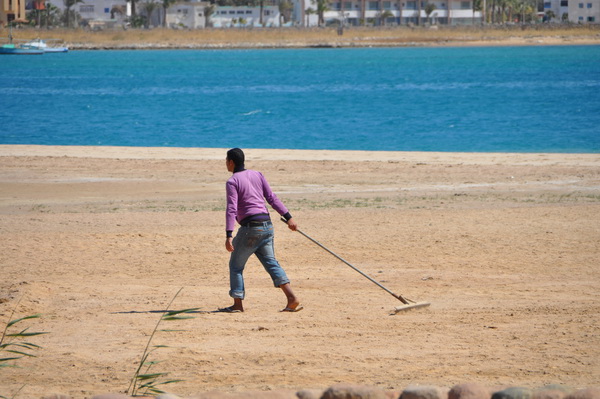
{"x": 504, "y": 246}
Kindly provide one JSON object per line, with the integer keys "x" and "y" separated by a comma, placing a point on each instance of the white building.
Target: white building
{"x": 192, "y": 14}
{"x": 396, "y": 12}
{"x": 244, "y": 16}
{"x": 558, "y": 7}
{"x": 187, "y": 15}
{"x": 584, "y": 11}
{"x": 575, "y": 11}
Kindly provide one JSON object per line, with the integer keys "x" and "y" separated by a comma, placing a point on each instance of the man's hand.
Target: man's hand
{"x": 292, "y": 224}
{"x": 229, "y": 244}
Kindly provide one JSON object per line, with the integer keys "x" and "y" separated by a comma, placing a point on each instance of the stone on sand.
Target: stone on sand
{"x": 424, "y": 392}
{"x": 469, "y": 391}
{"x": 513, "y": 393}
{"x": 349, "y": 391}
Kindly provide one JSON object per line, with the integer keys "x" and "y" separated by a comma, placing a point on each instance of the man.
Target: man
{"x": 247, "y": 191}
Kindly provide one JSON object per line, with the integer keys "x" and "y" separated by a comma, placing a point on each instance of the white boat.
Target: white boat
{"x": 39, "y": 44}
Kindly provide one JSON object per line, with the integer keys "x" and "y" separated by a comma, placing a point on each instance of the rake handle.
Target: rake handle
{"x": 405, "y": 301}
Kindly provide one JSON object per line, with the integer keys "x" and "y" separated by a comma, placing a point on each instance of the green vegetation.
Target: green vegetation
{"x": 14, "y": 344}
{"x": 144, "y": 381}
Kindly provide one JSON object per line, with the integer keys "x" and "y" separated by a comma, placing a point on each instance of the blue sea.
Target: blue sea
{"x": 501, "y": 99}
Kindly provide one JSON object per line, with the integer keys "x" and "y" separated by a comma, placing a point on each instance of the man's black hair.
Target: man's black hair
{"x": 237, "y": 156}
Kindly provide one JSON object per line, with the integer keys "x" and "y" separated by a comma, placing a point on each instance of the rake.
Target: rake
{"x": 407, "y": 304}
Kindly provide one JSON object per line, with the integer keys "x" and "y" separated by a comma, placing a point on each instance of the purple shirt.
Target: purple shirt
{"x": 247, "y": 191}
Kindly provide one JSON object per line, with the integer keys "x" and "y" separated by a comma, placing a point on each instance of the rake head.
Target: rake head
{"x": 410, "y": 306}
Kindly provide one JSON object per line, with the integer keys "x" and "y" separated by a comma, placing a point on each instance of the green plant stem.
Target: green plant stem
{"x": 9, "y": 320}
{"x": 145, "y": 354}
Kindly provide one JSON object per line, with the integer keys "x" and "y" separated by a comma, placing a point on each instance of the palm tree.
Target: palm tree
{"x": 400, "y": 12}
{"x": 309, "y": 11}
{"x": 363, "y": 11}
{"x": 476, "y": 7}
{"x": 52, "y": 15}
{"x": 285, "y": 11}
{"x": 166, "y": 4}
{"x": 68, "y": 4}
{"x": 502, "y": 6}
{"x": 133, "y": 2}
{"x": 302, "y": 11}
{"x": 322, "y": 7}
{"x": 208, "y": 12}
{"x": 512, "y": 7}
{"x": 383, "y": 15}
{"x": 149, "y": 8}
{"x": 261, "y": 4}
{"x": 429, "y": 8}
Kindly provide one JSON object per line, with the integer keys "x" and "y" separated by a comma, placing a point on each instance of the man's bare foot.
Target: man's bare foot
{"x": 237, "y": 307}
{"x": 293, "y": 303}
{"x": 293, "y": 307}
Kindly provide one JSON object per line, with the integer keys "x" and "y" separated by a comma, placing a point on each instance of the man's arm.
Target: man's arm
{"x": 276, "y": 203}
{"x": 230, "y": 214}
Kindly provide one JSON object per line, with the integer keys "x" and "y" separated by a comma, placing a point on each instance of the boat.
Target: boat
{"x": 18, "y": 49}
{"x": 39, "y": 44}
{"x": 12, "y": 48}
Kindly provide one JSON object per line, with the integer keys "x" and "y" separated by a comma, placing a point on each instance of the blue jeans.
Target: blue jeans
{"x": 256, "y": 240}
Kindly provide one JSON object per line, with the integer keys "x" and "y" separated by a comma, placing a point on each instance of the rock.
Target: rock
{"x": 424, "y": 392}
{"x": 167, "y": 396}
{"x": 393, "y": 394}
{"x": 276, "y": 394}
{"x": 551, "y": 392}
{"x": 348, "y": 391}
{"x": 469, "y": 391}
{"x": 309, "y": 394}
{"x": 513, "y": 393}
{"x": 587, "y": 393}
{"x": 211, "y": 395}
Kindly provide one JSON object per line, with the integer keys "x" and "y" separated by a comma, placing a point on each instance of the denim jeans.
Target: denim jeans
{"x": 256, "y": 240}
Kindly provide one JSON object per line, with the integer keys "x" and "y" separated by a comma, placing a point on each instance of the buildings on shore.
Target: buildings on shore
{"x": 349, "y": 12}
{"x": 575, "y": 11}
{"x": 201, "y": 14}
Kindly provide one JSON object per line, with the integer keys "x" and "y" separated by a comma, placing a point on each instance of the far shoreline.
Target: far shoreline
{"x": 262, "y": 154}
{"x": 318, "y": 38}
{"x": 259, "y": 46}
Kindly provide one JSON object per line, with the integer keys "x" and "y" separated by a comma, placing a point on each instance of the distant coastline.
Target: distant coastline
{"x": 436, "y": 36}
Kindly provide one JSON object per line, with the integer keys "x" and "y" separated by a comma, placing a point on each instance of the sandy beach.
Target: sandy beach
{"x": 505, "y": 247}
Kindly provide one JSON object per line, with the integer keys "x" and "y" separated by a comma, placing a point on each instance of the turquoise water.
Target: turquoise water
{"x": 519, "y": 99}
